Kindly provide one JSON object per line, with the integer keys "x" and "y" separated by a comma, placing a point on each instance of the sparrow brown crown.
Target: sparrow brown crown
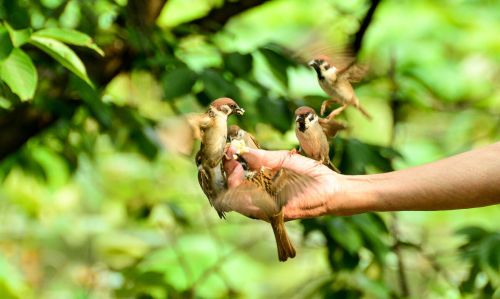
{"x": 233, "y": 130}
{"x": 235, "y": 108}
{"x": 304, "y": 110}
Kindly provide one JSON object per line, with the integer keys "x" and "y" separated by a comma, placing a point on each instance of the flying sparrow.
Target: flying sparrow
{"x": 313, "y": 132}
{"x": 337, "y": 82}
{"x": 213, "y": 127}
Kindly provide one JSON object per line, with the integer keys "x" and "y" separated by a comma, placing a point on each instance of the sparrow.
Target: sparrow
{"x": 213, "y": 128}
{"x": 269, "y": 190}
{"x": 337, "y": 82}
{"x": 234, "y": 132}
{"x": 313, "y": 132}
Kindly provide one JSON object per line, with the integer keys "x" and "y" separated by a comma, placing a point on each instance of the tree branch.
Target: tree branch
{"x": 26, "y": 121}
{"x": 19, "y": 125}
{"x": 365, "y": 23}
{"x": 218, "y": 17}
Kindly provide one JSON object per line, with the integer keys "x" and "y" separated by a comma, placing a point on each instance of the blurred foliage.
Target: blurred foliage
{"x": 96, "y": 201}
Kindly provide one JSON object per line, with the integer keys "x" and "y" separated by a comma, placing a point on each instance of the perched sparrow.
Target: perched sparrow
{"x": 213, "y": 126}
{"x": 313, "y": 132}
{"x": 337, "y": 83}
{"x": 234, "y": 132}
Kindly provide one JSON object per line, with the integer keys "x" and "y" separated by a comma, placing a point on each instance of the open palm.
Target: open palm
{"x": 311, "y": 202}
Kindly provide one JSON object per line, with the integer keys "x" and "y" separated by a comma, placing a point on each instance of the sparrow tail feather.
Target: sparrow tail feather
{"x": 283, "y": 243}
{"x": 363, "y": 110}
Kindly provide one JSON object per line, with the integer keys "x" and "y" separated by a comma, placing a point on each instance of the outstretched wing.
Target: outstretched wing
{"x": 287, "y": 183}
{"x": 331, "y": 126}
{"x": 247, "y": 193}
{"x": 353, "y": 72}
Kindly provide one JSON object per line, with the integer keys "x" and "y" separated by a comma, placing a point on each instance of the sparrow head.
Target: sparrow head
{"x": 321, "y": 66}
{"x": 305, "y": 117}
{"x": 234, "y": 132}
{"x": 227, "y": 106}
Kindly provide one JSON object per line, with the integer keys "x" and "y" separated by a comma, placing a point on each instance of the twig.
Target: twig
{"x": 402, "y": 280}
{"x": 365, "y": 23}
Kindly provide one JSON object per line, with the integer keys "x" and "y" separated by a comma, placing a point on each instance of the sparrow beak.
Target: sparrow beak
{"x": 239, "y": 111}
{"x": 312, "y": 63}
{"x": 297, "y": 118}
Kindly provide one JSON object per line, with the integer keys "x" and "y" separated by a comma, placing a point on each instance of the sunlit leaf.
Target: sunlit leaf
{"x": 69, "y": 36}
{"x": 278, "y": 65}
{"x": 63, "y": 54}
{"x": 19, "y": 73}
{"x": 18, "y": 37}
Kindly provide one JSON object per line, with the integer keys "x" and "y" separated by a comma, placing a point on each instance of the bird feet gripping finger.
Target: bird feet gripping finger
{"x": 226, "y": 149}
{"x": 292, "y": 152}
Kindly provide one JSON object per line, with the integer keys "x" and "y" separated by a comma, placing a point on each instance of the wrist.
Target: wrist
{"x": 357, "y": 194}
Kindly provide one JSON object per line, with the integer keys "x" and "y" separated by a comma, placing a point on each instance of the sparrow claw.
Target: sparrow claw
{"x": 336, "y": 112}
{"x": 226, "y": 148}
{"x": 292, "y": 152}
{"x": 325, "y": 105}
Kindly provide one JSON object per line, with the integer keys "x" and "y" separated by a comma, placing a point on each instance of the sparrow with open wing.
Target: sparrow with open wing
{"x": 337, "y": 82}
{"x": 313, "y": 132}
{"x": 268, "y": 189}
{"x": 213, "y": 126}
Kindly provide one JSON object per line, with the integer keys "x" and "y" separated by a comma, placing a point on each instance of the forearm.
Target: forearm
{"x": 467, "y": 180}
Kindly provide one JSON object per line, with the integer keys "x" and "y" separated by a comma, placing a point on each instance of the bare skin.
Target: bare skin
{"x": 467, "y": 180}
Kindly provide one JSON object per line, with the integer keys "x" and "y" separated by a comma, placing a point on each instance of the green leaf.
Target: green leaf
{"x": 217, "y": 86}
{"x": 278, "y": 65}
{"x": 63, "y": 54}
{"x": 275, "y": 111}
{"x": 345, "y": 234}
{"x": 239, "y": 64}
{"x": 358, "y": 155}
{"x": 18, "y": 37}
{"x": 372, "y": 234}
{"x": 19, "y": 73}
{"x": 178, "y": 82}
{"x": 5, "y": 43}
{"x": 70, "y": 36}
{"x": 473, "y": 233}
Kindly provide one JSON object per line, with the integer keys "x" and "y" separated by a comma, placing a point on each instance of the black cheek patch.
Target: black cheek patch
{"x": 302, "y": 126}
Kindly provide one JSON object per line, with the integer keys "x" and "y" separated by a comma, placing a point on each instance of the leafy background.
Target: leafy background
{"x": 99, "y": 199}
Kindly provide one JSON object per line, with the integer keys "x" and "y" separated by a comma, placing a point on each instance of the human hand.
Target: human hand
{"x": 318, "y": 200}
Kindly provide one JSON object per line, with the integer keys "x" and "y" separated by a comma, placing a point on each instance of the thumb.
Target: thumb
{"x": 256, "y": 158}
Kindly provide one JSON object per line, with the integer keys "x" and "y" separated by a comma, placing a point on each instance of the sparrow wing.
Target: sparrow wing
{"x": 353, "y": 72}
{"x": 287, "y": 183}
{"x": 331, "y": 126}
{"x": 236, "y": 198}
{"x": 252, "y": 142}
{"x": 206, "y": 186}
